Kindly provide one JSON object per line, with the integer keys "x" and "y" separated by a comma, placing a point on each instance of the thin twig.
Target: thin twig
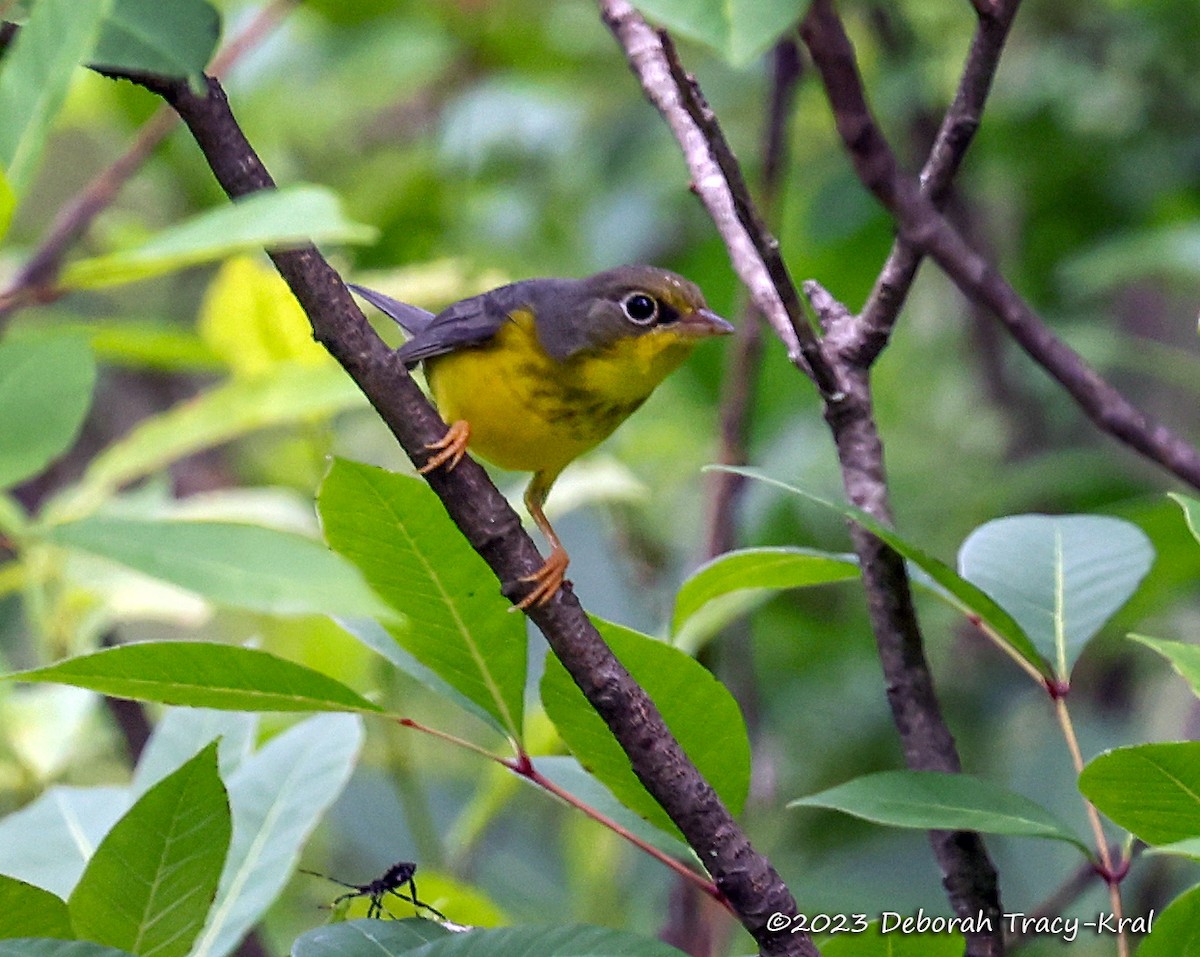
{"x": 923, "y": 225}
{"x": 1112, "y": 875}
{"x": 954, "y": 137}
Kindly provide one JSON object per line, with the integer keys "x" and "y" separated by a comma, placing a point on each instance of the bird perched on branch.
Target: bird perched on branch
{"x": 533, "y": 374}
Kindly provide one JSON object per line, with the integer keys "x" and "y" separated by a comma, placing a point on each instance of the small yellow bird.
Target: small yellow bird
{"x": 533, "y": 374}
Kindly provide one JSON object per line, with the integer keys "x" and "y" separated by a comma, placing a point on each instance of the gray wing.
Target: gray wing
{"x": 470, "y": 322}
{"x": 412, "y": 319}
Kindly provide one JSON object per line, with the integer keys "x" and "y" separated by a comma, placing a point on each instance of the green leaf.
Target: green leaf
{"x": 275, "y": 219}
{"x": 48, "y": 841}
{"x": 737, "y": 29}
{"x": 8, "y": 205}
{"x": 169, "y": 37}
{"x": 1061, "y": 576}
{"x": 377, "y": 938}
{"x": 290, "y": 394}
{"x": 1176, "y": 931}
{"x": 1188, "y": 847}
{"x": 202, "y": 675}
{"x": 45, "y": 393}
{"x": 947, "y": 584}
{"x": 148, "y": 887}
{"x": 1184, "y": 658}
{"x": 29, "y": 911}
{"x": 57, "y": 948}
{"x": 1191, "y": 512}
{"x": 397, "y": 532}
{"x": 755, "y": 568}
{"x": 37, "y": 72}
{"x": 250, "y": 318}
{"x": 278, "y": 796}
{"x": 367, "y": 938}
{"x": 698, "y": 709}
{"x": 887, "y": 937}
{"x": 1152, "y": 790}
{"x": 183, "y": 732}
{"x": 246, "y": 566}
{"x": 1169, "y": 252}
{"x": 147, "y": 344}
{"x": 950, "y": 802}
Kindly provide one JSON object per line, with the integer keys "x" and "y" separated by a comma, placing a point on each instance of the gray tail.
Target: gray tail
{"x": 412, "y": 319}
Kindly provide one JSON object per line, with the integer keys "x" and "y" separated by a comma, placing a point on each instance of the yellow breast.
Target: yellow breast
{"x": 530, "y": 412}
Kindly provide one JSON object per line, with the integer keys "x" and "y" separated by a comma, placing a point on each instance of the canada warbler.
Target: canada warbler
{"x": 533, "y": 374}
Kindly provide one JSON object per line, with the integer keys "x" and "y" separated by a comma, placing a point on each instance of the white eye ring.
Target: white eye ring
{"x": 635, "y": 307}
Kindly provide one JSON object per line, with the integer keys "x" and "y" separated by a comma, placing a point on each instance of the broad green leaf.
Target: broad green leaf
{"x": 8, "y": 205}
{"x": 1188, "y": 847}
{"x": 380, "y": 640}
{"x": 1152, "y": 790}
{"x": 170, "y": 37}
{"x": 57, "y": 948}
{"x": 948, "y": 585}
{"x": 1061, "y": 576}
{"x": 278, "y": 796}
{"x": 1191, "y": 512}
{"x": 458, "y": 625}
{"x": 698, "y": 709}
{"x": 1184, "y": 658}
{"x": 274, "y": 219}
{"x": 29, "y": 911}
{"x": 37, "y": 71}
{"x": 737, "y": 29}
{"x": 290, "y": 394}
{"x": 45, "y": 392}
{"x": 1176, "y": 931}
{"x": 887, "y": 936}
{"x": 949, "y": 802}
{"x": 364, "y": 938}
{"x": 202, "y": 675}
{"x": 245, "y": 566}
{"x": 148, "y": 887}
{"x": 181, "y": 733}
{"x": 48, "y": 841}
{"x": 769, "y": 568}
{"x": 147, "y": 344}
{"x": 250, "y": 318}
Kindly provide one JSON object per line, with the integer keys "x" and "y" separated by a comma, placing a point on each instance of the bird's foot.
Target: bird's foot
{"x": 546, "y": 581}
{"x": 450, "y": 448}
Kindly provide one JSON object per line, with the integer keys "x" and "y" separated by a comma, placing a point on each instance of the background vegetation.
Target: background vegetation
{"x": 477, "y": 141}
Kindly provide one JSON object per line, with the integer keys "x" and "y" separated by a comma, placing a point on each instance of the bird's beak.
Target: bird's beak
{"x": 703, "y": 322}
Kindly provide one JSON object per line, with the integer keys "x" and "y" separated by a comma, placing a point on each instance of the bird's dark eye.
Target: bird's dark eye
{"x": 640, "y": 308}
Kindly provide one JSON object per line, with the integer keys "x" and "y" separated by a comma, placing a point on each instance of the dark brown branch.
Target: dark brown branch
{"x": 745, "y": 878}
{"x": 968, "y": 874}
{"x": 924, "y": 226}
{"x": 953, "y": 138}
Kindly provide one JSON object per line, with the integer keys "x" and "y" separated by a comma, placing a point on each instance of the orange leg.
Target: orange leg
{"x": 451, "y": 447}
{"x": 548, "y": 579}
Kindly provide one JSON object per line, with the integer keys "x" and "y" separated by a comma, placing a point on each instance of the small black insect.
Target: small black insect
{"x": 394, "y": 880}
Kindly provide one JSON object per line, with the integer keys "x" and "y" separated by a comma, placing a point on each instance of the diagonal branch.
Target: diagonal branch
{"x": 954, "y": 137}
{"x": 924, "y": 226}
{"x": 744, "y": 877}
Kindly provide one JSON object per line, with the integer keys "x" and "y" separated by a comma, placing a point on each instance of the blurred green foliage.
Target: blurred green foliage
{"x": 489, "y": 140}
